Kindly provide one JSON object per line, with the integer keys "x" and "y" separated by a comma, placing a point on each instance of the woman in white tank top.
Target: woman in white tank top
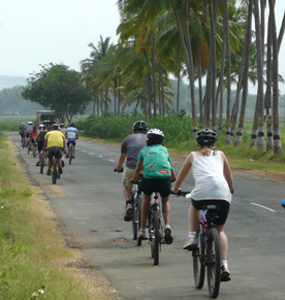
{"x": 213, "y": 183}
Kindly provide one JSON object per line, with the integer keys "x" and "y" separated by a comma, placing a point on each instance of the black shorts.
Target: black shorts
{"x": 150, "y": 185}
{"x": 71, "y": 142}
{"x": 54, "y": 152}
{"x": 40, "y": 146}
{"x": 27, "y": 134}
{"x": 222, "y": 214}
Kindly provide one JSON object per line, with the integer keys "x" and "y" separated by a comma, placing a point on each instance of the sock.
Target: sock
{"x": 224, "y": 262}
{"x": 192, "y": 233}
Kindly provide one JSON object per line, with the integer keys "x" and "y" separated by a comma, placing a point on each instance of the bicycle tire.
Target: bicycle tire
{"x": 198, "y": 260}
{"x": 70, "y": 153}
{"x": 151, "y": 233}
{"x": 213, "y": 263}
{"x": 136, "y": 217}
{"x": 156, "y": 237}
{"x": 42, "y": 163}
{"x": 54, "y": 174}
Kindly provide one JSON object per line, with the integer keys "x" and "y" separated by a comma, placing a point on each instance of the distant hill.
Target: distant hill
{"x": 11, "y": 81}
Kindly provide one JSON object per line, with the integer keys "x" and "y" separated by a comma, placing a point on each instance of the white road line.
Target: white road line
{"x": 83, "y": 151}
{"x": 91, "y": 153}
{"x": 263, "y": 206}
{"x": 100, "y": 156}
{"x": 111, "y": 160}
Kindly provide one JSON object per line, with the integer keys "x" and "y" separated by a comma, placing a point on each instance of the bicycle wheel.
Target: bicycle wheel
{"x": 156, "y": 237}
{"x": 136, "y": 218}
{"x": 54, "y": 174}
{"x": 42, "y": 163}
{"x": 213, "y": 263}
{"x": 70, "y": 152}
{"x": 29, "y": 147}
{"x": 198, "y": 259}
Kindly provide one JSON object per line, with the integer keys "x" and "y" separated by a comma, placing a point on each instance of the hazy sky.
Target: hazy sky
{"x": 34, "y": 32}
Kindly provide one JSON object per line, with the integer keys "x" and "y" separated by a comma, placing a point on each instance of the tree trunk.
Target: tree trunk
{"x": 153, "y": 80}
{"x": 178, "y": 91}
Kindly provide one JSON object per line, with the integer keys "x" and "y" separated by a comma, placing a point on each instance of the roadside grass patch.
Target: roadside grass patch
{"x": 35, "y": 261}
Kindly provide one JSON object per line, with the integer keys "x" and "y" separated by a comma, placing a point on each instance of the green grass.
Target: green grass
{"x": 32, "y": 251}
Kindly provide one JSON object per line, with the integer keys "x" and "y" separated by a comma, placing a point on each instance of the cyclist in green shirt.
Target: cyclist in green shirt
{"x": 158, "y": 173}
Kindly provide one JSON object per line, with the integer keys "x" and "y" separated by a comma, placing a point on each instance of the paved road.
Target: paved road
{"x": 88, "y": 200}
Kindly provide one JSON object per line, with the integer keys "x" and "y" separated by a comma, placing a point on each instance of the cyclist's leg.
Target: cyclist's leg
{"x": 145, "y": 210}
{"x": 128, "y": 192}
{"x": 67, "y": 148}
{"x": 194, "y": 217}
{"x": 74, "y": 143}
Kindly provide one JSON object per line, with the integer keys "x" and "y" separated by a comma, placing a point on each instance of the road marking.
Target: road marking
{"x": 100, "y": 156}
{"x": 263, "y": 206}
{"x": 111, "y": 160}
{"x": 83, "y": 151}
{"x": 91, "y": 153}
{"x": 84, "y": 203}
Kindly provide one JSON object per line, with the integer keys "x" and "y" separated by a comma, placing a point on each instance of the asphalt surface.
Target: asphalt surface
{"x": 88, "y": 199}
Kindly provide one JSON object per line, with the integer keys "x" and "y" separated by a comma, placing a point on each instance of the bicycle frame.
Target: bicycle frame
{"x": 54, "y": 170}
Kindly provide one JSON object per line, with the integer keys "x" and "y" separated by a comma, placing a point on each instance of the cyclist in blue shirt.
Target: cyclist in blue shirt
{"x": 157, "y": 176}
{"x": 71, "y": 136}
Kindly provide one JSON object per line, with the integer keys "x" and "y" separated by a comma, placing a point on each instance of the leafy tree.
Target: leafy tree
{"x": 58, "y": 88}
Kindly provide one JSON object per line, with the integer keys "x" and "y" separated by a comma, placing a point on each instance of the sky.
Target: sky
{"x": 38, "y": 32}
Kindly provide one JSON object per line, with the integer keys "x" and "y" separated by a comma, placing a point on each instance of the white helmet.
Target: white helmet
{"x": 42, "y": 127}
{"x": 30, "y": 123}
{"x": 156, "y": 135}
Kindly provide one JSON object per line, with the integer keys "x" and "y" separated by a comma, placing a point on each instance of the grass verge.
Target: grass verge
{"x": 35, "y": 262}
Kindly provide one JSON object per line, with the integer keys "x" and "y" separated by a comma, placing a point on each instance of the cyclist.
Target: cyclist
{"x": 213, "y": 184}
{"x": 29, "y": 128}
{"x": 54, "y": 142}
{"x": 22, "y": 131}
{"x": 158, "y": 173}
{"x": 62, "y": 129}
{"x": 33, "y": 136}
{"x": 40, "y": 138}
{"x": 71, "y": 135}
{"x": 130, "y": 149}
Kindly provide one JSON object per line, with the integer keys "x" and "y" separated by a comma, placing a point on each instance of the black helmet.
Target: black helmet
{"x": 55, "y": 126}
{"x": 206, "y": 137}
{"x": 156, "y": 135}
{"x": 71, "y": 125}
{"x": 140, "y": 126}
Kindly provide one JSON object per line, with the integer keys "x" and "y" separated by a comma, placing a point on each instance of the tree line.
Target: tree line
{"x": 187, "y": 39}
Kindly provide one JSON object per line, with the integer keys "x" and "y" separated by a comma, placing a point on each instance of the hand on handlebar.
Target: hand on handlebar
{"x": 119, "y": 171}
{"x": 133, "y": 181}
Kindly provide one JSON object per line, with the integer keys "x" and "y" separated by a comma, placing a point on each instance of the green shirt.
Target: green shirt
{"x": 156, "y": 161}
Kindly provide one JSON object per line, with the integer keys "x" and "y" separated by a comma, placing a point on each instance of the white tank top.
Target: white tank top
{"x": 210, "y": 183}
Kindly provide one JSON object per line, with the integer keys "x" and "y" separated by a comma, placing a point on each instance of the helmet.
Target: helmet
{"x": 140, "y": 126}
{"x": 61, "y": 124}
{"x": 30, "y": 123}
{"x": 42, "y": 127}
{"x": 206, "y": 137}
{"x": 71, "y": 125}
{"x": 156, "y": 135}
{"x": 55, "y": 126}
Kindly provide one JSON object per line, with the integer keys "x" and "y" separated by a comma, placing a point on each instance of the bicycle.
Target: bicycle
{"x": 34, "y": 150}
{"x": 55, "y": 170}
{"x": 208, "y": 251}
{"x": 28, "y": 145}
{"x": 42, "y": 161}
{"x": 70, "y": 152}
{"x": 136, "y": 217}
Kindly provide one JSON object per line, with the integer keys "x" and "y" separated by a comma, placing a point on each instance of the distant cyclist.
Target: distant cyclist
{"x": 130, "y": 149}
{"x": 22, "y": 131}
{"x": 157, "y": 176}
{"x": 54, "y": 142}
{"x": 40, "y": 138}
{"x": 71, "y": 135}
{"x": 29, "y": 128}
{"x": 33, "y": 135}
{"x": 62, "y": 128}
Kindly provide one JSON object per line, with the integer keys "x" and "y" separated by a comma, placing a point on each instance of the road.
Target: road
{"x": 88, "y": 200}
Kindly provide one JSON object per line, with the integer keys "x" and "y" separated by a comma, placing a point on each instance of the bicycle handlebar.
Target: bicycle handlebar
{"x": 119, "y": 171}
{"x": 182, "y": 193}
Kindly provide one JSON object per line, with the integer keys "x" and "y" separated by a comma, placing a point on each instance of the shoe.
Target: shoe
{"x": 48, "y": 172}
{"x": 66, "y": 155}
{"x": 190, "y": 243}
{"x": 128, "y": 212}
{"x": 60, "y": 169}
{"x": 73, "y": 157}
{"x": 62, "y": 163}
{"x": 167, "y": 235}
{"x": 142, "y": 235}
{"x": 38, "y": 163}
{"x": 225, "y": 273}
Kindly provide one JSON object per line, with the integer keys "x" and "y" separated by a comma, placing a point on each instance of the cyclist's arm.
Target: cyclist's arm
{"x": 227, "y": 172}
{"x": 137, "y": 170}
{"x": 183, "y": 172}
{"x": 121, "y": 161}
{"x": 45, "y": 143}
